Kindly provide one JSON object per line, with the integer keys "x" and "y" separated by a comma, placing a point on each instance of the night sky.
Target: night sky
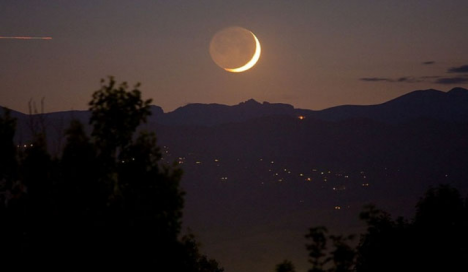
{"x": 315, "y": 54}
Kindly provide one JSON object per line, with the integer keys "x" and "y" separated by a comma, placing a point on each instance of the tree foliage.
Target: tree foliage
{"x": 436, "y": 239}
{"x": 342, "y": 255}
{"x": 285, "y": 266}
{"x": 194, "y": 260}
{"x": 115, "y": 115}
{"x": 107, "y": 202}
{"x": 339, "y": 259}
{"x": 7, "y": 147}
{"x": 382, "y": 244}
{"x": 317, "y": 248}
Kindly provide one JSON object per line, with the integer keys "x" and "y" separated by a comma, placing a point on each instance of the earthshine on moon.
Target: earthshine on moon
{"x": 235, "y": 49}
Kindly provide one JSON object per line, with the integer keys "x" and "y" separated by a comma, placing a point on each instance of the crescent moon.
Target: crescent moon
{"x": 251, "y": 62}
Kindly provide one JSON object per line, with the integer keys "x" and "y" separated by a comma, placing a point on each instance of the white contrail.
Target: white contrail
{"x": 25, "y": 38}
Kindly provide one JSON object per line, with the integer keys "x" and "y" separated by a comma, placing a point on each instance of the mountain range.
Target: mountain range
{"x": 445, "y": 106}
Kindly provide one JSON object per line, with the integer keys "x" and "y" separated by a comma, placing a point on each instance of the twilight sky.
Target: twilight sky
{"x": 315, "y": 54}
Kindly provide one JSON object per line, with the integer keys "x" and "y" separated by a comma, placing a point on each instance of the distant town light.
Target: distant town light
{"x": 301, "y": 117}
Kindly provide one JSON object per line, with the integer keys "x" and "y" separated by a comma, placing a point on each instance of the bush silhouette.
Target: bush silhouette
{"x": 108, "y": 202}
{"x": 436, "y": 239}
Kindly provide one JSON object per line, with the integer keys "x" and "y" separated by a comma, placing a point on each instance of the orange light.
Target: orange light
{"x": 301, "y": 117}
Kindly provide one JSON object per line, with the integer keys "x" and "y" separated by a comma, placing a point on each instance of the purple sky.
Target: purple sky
{"x": 315, "y": 54}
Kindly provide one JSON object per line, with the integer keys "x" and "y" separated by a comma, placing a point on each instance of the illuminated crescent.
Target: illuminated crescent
{"x": 252, "y": 62}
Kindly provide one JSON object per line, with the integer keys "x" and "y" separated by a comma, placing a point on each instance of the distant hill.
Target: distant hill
{"x": 13, "y": 113}
{"x": 215, "y": 114}
{"x": 194, "y": 119}
{"x": 449, "y": 106}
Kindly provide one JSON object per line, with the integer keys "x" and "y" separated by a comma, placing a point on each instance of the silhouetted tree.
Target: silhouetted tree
{"x": 39, "y": 214}
{"x": 436, "y": 239}
{"x": 79, "y": 186}
{"x": 193, "y": 260}
{"x": 147, "y": 187}
{"x": 143, "y": 200}
{"x": 8, "y": 162}
{"x": 285, "y": 266}
{"x": 317, "y": 248}
{"x": 11, "y": 191}
{"x": 341, "y": 258}
{"x": 441, "y": 229}
{"x": 80, "y": 198}
{"x": 115, "y": 115}
{"x": 147, "y": 201}
{"x": 382, "y": 246}
{"x": 343, "y": 254}
{"x": 107, "y": 203}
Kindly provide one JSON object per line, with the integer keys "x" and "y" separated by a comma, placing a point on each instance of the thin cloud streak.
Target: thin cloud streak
{"x": 375, "y": 79}
{"x": 461, "y": 69}
{"x": 463, "y": 79}
{"x": 452, "y": 80}
{"x": 25, "y": 38}
{"x": 384, "y": 79}
{"x": 408, "y": 80}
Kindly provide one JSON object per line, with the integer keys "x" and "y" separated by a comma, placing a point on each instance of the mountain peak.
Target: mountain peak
{"x": 250, "y": 102}
{"x": 458, "y": 90}
{"x": 156, "y": 110}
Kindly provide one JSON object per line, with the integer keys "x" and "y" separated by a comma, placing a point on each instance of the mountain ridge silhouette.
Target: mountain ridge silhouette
{"x": 451, "y": 106}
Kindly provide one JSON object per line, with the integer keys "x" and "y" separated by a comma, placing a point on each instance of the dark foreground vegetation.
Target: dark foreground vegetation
{"x": 106, "y": 203}
{"x": 435, "y": 239}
